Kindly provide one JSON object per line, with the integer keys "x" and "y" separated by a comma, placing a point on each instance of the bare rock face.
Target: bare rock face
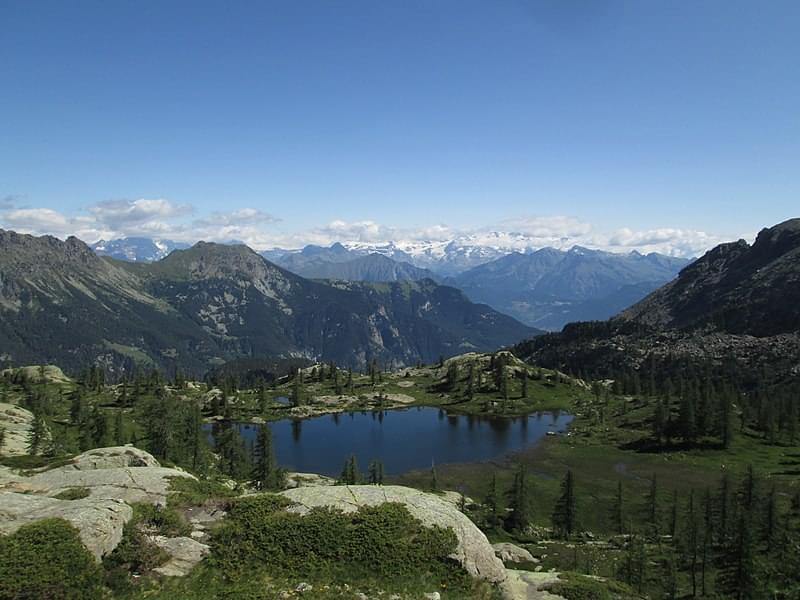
{"x": 473, "y": 552}
{"x": 118, "y": 473}
{"x": 16, "y": 422}
{"x": 98, "y": 521}
{"x": 184, "y": 552}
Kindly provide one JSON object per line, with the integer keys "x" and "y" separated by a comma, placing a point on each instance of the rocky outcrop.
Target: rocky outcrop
{"x": 118, "y": 473}
{"x": 184, "y": 552}
{"x": 113, "y": 457}
{"x": 525, "y": 585}
{"x": 129, "y": 484}
{"x": 512, "y": 553}
{"x": 113, "y": 478}
{"x": 98, "y": 521}
{"x": 473, "y": 552}
{"x": 16, "y": 422}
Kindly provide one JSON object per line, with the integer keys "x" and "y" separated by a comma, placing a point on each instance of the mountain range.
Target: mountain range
{"x": 550, "y": 288}
{"x": 137, "y": 249}
{"x": 737, "y": 307}
{"x": 545, "y": 288}
{"x": 211, "y": 303}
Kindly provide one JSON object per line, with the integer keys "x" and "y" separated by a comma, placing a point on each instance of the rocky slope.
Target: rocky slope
{"x": 738, "y": 306}
{"x": 60, "y": 303}
{"x": 549, "y": 288}
{"x": 373, "y": 267}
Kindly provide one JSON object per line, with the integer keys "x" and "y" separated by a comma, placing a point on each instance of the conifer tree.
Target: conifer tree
{"x": 492, "y": 502}
{"x": 37, "y": 437}
{"x": 565, "y": 512}
{"x": 376, "y": 472}
{"x": 524, "y": 384}
{"x": 350, "y": 474}
{"x": 519, "y": 502}
{"x": 119, "y": 429}
{"x": 618, "y": 511}
{"x": 652, "y": 509}
{"x": 298, "y": 395}
{"x": 266, "y": 473}
{"x": 686, "y": 419}
{"x": 690, "y": 540}
{"x": 434, "y": 478}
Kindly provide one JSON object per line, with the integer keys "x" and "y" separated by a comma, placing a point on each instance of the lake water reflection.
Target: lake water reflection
{"x": 403, "y": 439}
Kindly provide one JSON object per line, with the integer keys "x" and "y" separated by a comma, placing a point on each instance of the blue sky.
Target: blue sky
{"x": 286, "y": 122}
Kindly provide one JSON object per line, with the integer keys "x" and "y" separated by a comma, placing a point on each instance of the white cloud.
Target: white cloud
{"x": 118, "y": 214}
{"x": 165, "y": 219}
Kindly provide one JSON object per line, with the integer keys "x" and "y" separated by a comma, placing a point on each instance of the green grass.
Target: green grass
{"x": 74, "y": 493}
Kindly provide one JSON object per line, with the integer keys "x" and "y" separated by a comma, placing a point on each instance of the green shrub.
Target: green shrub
{"x": 194, "y": 492}
{"x": 135, "y": 552}
{"x": 383, "y": 542}
{"x": 579, "y": 587}
{"x": 163, "y": 520}
{"x": 74, "y": 493}
{"x": 47, "y": 561}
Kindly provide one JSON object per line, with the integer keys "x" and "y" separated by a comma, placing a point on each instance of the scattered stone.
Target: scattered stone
{"x": 433, "y": 596}
{"x": 303, "y": 587}
{"x": 184, "y": 553}
{"x": 473, "y": 552}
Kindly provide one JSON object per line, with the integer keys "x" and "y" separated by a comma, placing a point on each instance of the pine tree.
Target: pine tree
{"x": 565, "y": 512}
{"x": 434, "y": 478}
{"x": 298, "y": 395}
{"x": 376, "y": 472}
{"x": 37, "y": 437}
{"x": 119, "y": 429}
{"x": 673, "y": 514}
{"x": 736, "y": 576}
{"x": 519, "y": 502}
{"x": 686, "y": 419}
{"x": 350, "y": 474}
{"x": 618, "y": 511}
{"x": 659, "y": 422}
{"x": 771, "y": 518}
{"x": 99, "y": 425}
{"x": 196, "y": 444}
{"x": 234, "y": 457}
{"x": 652, "y": 506}
{"x": 492, "y": 502}
{"x": 266, "y": 473}
{"x": 690, "y": 540}
{"x": 77, "y": 407}
{"x": 524, "y": 384}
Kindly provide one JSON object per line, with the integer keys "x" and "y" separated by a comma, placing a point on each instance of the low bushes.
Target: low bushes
{"x": 47, "y": 561}
{"x": 383, "y": 542}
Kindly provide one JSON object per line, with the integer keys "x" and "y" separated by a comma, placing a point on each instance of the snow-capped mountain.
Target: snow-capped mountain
{"x": 136, "y": 249}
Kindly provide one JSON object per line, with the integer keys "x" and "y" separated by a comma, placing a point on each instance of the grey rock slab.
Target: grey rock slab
{"x": 513, "y": 553}
{"x": 184, "y": 552}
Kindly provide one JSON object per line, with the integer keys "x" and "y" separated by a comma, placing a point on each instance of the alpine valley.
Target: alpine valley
{"x": 211, "y": 303}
